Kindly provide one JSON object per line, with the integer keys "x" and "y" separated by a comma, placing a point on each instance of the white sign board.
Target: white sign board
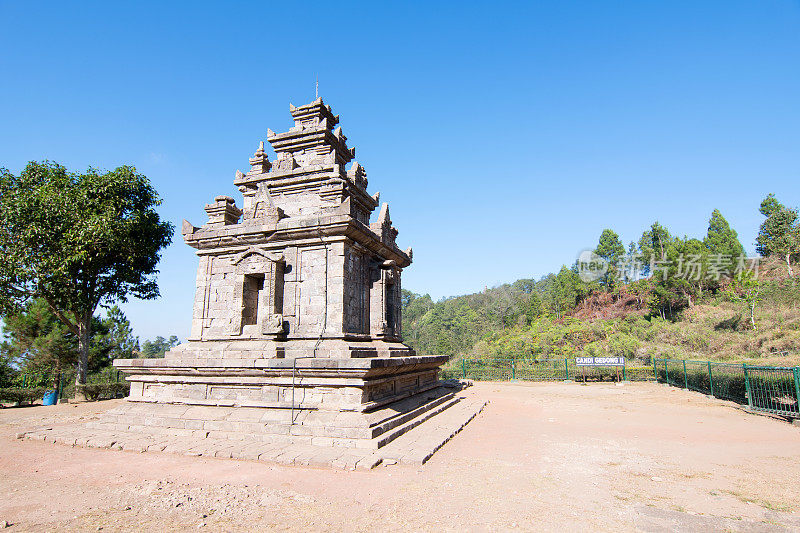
{"x": 599, "y": 361}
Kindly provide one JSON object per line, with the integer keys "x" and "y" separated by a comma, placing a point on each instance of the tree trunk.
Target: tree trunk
{"x": 84, "y": 325}
{"x": 752, "y": 315}
{"x": 789, "y": 263}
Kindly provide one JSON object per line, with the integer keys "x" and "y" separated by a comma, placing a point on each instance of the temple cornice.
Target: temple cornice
{"x": 229, "y": 238}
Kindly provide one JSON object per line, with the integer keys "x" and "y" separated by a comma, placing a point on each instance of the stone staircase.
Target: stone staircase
{"x": 411, "y": 436}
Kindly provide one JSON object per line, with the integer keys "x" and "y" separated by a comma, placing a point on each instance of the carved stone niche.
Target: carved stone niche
{"x": 258, "y": 294}
{"x": 385, "y": 281}
{"x": 391, "y": 278}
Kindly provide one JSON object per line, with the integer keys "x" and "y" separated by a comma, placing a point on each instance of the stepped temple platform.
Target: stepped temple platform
{"x": 296, "y": 330}
{"x": 413, "y": 445}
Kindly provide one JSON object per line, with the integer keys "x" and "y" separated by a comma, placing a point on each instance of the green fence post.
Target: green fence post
{"x": 513, "y": 369}
{"x": 624, "y": 375}
{"x": 747, "y": 386}
{"x": 685, "y": 378}
{"x": 566, "y": 367}
{"x": 463, "y": 368}
{"x": 655, "y": 369}
{"x": 666, "y": 372}
{"x": 796, "y": 372}
{"x": 710, "y": 379}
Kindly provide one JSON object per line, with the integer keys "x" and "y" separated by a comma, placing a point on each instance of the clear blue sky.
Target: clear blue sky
{"x": 505, "y": 136}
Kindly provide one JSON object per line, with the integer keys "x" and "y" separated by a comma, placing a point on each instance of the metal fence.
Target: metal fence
{"x": 772, "y": 389}
{"x": 547, "y": 370}
{"x": 764, "y": 388}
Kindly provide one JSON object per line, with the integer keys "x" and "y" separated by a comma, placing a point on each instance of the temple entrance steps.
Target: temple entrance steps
{"x": 405, "y": 440}
{"x": 368, "y": 430}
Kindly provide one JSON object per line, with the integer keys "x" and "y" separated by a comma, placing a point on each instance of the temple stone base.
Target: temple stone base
{"x": 371, "y": 430}
{"x": 259, "y": 348}
{"x": 358, "y": 403}
{"x": 413, "y": 446}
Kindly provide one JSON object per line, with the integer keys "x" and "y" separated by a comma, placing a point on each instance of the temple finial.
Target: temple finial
{"x": 383, "y": 217}
{"x": 259, "y": 163}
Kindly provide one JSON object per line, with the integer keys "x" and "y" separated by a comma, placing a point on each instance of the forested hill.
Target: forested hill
{"x": 663, "y": 295}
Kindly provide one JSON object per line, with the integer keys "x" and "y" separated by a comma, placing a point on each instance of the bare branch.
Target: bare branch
{"x": 61, "y": 316}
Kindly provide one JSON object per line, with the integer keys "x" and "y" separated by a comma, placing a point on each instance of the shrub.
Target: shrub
{"x": 98, "y": 391}
{"x": 622, "y": 345}
{"x": 19, "y": 395}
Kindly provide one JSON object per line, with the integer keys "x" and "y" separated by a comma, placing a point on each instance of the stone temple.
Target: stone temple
{"x": 296, "y": 328}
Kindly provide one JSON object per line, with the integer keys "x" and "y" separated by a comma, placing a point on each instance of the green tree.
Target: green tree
{"x": 7, "y": 370}
{"x": 37, "y": 341}
{"x": 654, "y": 241}
{"x": 158, "y": 346}
{"x": 633, "y": 266}
{"x": 769, "y": 205}
{"x": 563, "y": 292}
{"x": 653, "y": 246}
{"x": 611, "y": 249}
{"x": 120, "y": 331}
{"x": 414, "y": 308}
{"x": 678, "y": 275}
{"x": 503, "y": 305}
{"x": 534, "y": 308}
{"x": 746, "y": 288}
{"x": 723, "y": 242}
{"x": 112, "y": 338}
{"x": 526, "y": 286}
{"x": 686, "y": 272}
{"x": 78, "y": 241}
{"x": 779, "y": 234}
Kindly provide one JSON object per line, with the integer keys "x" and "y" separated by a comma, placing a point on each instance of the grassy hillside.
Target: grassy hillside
{"x": 494, "y": 324}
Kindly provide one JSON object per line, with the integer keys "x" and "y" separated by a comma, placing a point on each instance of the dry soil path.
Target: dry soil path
{"x": 546, "y": 457}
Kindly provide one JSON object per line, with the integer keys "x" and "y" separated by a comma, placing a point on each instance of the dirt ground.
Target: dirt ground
{"x": 543, "y": 456}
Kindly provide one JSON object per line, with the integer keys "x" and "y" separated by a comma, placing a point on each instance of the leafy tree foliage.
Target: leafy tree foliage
{"x": 746, "y": 288}
{"x": 610, "y": 248}
{"x": 455, "y": 325}
{"x": 120, "y": 335}
{"x": 78, "y": 241}
{"x": 779, "y": 234}
{"x": 679, "y": 277}
{"x": 36, "y": 341}
{"x": 770, "y": 205}
{"x": 682, "y": 268}
{"x": 521, "y": 319}
{"x": 158, "y": 346}
{"x": 721, "y": 239}
{"x": 534, "y": 308}
{"x": 563, "y": 293}
{"x": 654, "y": 242}
{"x": 722, "y": 243}
{"x": 7, "y": 370}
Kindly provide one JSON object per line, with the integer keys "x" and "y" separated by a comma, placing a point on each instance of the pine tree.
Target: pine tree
{"x": 611, "y": 249}
{"x": 722, "y": 243}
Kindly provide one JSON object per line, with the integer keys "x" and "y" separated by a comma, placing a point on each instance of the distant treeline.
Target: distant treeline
{"x": 660, "y": 275}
